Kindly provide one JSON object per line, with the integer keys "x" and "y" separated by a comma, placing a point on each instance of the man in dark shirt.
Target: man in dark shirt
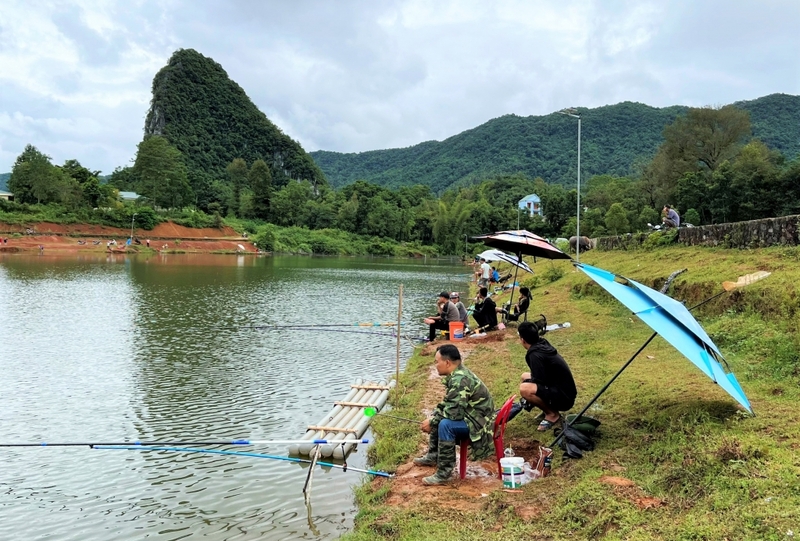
{"x": 549, "y": 385}
{"x": 485, "y": 312}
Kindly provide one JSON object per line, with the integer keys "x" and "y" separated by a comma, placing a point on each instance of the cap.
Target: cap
{"x": 454, "y": 295}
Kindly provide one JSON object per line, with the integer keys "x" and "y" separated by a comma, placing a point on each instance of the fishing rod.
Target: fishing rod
{"x": 372, "y": 412}
{"x": 136, "y": 444}
{"x": 367, "y": 324}
{"x": 343, "y": 467}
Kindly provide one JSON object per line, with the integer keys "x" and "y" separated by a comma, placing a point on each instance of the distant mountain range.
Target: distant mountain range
{"x": 4, "y": 181}
{"x": 614, "y": 140}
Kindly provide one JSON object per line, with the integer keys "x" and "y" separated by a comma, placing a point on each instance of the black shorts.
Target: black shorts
{"x": 554, "y": 397}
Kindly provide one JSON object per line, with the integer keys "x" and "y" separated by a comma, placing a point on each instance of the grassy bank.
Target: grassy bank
{"x": 676, "y": 458}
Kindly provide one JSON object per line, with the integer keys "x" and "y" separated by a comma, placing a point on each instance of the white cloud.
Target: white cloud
{"x": 354, "y": 76}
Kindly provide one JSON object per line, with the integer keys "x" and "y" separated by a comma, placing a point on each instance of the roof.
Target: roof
{"x": 128, "y": 195}
{"x": 532, "y": 197}
{"x": 6, "y": 193}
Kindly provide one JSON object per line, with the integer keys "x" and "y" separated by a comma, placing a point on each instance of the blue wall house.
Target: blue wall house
{"x": 532, "y": 204}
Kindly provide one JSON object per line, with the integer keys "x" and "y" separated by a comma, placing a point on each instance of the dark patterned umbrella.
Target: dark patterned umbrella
{"x": 521, "y": 242}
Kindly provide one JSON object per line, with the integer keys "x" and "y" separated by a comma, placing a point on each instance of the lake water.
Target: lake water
{"x": 121, "y": 348}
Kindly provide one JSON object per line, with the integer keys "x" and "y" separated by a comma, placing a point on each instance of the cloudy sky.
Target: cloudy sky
{"x": 352, "y": 76}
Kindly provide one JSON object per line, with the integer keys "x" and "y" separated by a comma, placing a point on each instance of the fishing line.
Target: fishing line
{"x": 344, "y": 468}
{"x": 140, "y": 444}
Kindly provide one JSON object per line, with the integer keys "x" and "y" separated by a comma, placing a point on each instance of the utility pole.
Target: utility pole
{"x": 573, "y": 112}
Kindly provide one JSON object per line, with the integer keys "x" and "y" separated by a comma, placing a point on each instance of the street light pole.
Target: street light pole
{"x": 574, "y": 114}
{"x": 132, "y": 219}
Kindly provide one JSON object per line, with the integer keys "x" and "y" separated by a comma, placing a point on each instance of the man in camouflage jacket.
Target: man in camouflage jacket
{"x": 467, "y": 411}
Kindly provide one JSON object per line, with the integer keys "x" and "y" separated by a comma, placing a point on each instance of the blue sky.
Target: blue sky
{"x": 352, "y": 76}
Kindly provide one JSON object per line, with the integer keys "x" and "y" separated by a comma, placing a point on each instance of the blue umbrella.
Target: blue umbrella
{"x": 674, "y": 323}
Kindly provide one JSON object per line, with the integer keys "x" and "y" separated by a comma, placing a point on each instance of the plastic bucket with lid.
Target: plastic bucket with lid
{"x": 512, "y": 471}
{"x": 456, "y": 331}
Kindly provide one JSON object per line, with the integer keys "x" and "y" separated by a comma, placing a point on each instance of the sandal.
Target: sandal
{"x": 546, "y": 425}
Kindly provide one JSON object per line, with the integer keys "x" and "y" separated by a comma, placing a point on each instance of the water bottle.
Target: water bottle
{"x": 508, "y": 452}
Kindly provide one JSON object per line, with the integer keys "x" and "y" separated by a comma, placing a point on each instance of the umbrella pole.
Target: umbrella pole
{"x": 741, "y": 282}
{"x": 606, "y": 386}
{"x": 516, "y": 271}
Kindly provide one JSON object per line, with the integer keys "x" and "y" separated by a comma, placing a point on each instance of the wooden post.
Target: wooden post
{"x": 399, "y": 317}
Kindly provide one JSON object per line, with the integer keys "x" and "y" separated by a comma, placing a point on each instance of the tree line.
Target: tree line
{"x": 707, "y": 167}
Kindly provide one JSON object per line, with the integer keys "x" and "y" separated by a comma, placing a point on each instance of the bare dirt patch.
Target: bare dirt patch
{"x": 482, "y": 478}
{"x": 48, "y": 237}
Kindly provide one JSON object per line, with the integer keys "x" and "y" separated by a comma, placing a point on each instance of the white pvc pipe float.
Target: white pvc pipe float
{"x": 348, "y": 421}
{"x": 337, "y": 420}
{"x": 340, "y": 451}
{"x": 294, "y": 449}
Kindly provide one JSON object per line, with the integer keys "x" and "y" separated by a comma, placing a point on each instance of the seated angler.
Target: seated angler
{"x": 485, "y": 312}
{"x": 520, "y": 308}
{"x": 467, "y": 411}
{"x": 447, "y": 313}
{"x": 463, "y": 314}
{"x": 549, "y": 385}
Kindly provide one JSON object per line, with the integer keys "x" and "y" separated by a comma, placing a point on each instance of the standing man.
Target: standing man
{"x": 671, "y": 218}
{"x": 465, "y": 412}
{"x": 549, "y": 385}
{"x": 485, "y": 312}
{"x": 447, "y": 313}
{"x": 486, "y": 272}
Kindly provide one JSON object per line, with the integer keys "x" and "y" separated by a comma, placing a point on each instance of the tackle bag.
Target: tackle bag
{"x": 577, "y": 437}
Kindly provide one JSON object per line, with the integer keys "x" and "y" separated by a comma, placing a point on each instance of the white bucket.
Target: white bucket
{"x": 512, "y": 471}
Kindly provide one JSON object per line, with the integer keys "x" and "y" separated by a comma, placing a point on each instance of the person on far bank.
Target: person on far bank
{"x": 671, "y": 218}
{"x": 486, "y": 272}
{"x": 485, "y": 311}
{"x": 447, "y": 313}
{"x": 466, "y": 411}
{"x": 549, "y": 385}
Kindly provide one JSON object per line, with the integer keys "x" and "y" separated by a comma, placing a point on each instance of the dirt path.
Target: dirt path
{"x": 406, "y": 488}
{"x": 165, "y": 237}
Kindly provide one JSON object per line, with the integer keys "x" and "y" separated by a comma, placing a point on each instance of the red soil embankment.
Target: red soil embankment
{"x": 166, "y": 236}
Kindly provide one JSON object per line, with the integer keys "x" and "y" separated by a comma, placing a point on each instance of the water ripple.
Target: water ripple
{"x": 119, "y": 349}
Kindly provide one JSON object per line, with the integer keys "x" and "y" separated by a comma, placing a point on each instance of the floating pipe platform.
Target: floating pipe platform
{"x": 346, "y": 421}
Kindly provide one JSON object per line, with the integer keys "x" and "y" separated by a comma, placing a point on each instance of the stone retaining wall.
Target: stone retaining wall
{"x": 782, "y": 231}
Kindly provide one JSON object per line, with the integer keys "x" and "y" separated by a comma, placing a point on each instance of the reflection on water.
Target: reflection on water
{"x": 119, "y": 348}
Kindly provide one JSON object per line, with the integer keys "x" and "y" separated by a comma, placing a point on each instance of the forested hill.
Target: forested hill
{"x": 210, "y": 119}
{"x": 4, "y": 181}
{"x": 614, "y": 140}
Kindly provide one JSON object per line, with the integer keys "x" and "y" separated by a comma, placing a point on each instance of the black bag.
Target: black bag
{"x": 577, "y": 438}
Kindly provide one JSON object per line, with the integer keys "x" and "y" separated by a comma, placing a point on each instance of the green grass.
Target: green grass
{"x": 718, "y": 473}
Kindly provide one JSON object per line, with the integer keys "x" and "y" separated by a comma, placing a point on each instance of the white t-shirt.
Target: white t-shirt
{"x": 486, "y": 270}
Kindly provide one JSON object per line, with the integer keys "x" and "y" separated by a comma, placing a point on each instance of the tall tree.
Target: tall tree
{"x": 161, "y": 173}
{"x": 86, "y": 180}
{"x": 698, "y": 142}
{"x": 617, "y": 219}
{"x": 237, "y": 175}
{"x": 33, "y": 178}
{"x": 261, "y": 183}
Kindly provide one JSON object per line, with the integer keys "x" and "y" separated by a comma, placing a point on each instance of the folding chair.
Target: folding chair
{"x": 499, "y": 448}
